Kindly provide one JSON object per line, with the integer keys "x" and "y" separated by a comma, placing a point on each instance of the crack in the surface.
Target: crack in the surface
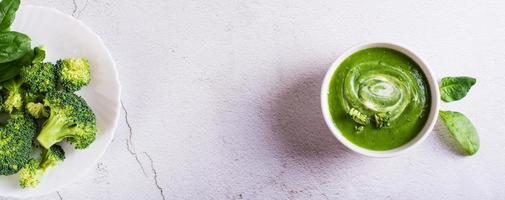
{"x": 75, "y": 8}
{"x": 77, "y": 12}
{"x": 155, "y": 175}
{"x": 130, "y": 148}
{"x": 127, "y": 122}
{"x": 84, "y": 8}
{"x": 136, "y": 156}
{"x": 129, "y": 143}
{"x": 59, "y": 195}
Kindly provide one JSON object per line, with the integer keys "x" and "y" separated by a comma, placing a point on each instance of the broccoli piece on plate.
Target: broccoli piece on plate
{"x": 73, "y": 73}
{"x": 52, "y": 156}
{"x": 70, "y": 118}
{"x": 39, "y": 54}
{"x": 29, "y": 175}
{"x": 39, "y": 77}
{"x": 37, "y": 110}
{"x": 16, "y": 138}
{"x": 32, "y": 172}
{"x": 13, "y": 95}
{"x": 33, "y": 97}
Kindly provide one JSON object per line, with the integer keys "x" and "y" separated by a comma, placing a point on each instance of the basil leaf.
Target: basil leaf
{"x": 11, "y": 69}
{"x": 13, "y": 45}
{"x": 455, "y": 88}
{"x": 8, "y": 10}
{"x": 462, "y": 130}
{"x": 8, "y": 72}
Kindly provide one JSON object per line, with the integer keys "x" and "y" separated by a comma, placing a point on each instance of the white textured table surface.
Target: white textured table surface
{"x": 221, "y": 99}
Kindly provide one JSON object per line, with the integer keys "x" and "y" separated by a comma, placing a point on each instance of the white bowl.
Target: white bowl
{"x": 64, "y": 36}
{"x": 425, "y": 131}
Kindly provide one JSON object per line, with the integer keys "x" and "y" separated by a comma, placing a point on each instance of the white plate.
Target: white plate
{"x": 65, "y": 36}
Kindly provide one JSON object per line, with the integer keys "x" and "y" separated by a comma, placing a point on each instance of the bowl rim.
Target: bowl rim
{"x": 434, "y": 108}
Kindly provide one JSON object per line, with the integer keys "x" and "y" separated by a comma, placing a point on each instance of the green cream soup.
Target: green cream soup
{"x": 379, "y": 98}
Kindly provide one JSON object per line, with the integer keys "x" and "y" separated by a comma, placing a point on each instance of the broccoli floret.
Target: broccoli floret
{"x": 13, "y": 95}
{"x": 70, "y": 118}
{"x": 37, "y": 110}
{"x": 358, "y": 117}
{"x": 52, "y": 156}
{"x": 39, "y": 77}
{"x": 31, "y": 173}
{"x": 1, "y": 103}
{"x": 39, "y": 54}
{"x": 33, "y": 97}
{"x": 381, "y": 120}
{"x": 16, "y": 139}
{"x": 73, "y": 73}
{"x": 359, "y": 128}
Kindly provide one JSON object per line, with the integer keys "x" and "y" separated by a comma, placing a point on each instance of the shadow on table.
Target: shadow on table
{"x": 296, "y": 118}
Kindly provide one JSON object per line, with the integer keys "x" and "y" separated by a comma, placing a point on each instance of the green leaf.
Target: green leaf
{"x": 8, "y": 10}
{"x": 455, "y": 88}
{"x": 11, "y": 69}
{"x": 8, "y": 72}
{"x": 462, "y": 130}
{"x": 13, "y": 45}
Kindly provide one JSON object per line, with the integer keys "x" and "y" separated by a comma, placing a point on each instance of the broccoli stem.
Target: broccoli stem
{"x": 54, "y": 131}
